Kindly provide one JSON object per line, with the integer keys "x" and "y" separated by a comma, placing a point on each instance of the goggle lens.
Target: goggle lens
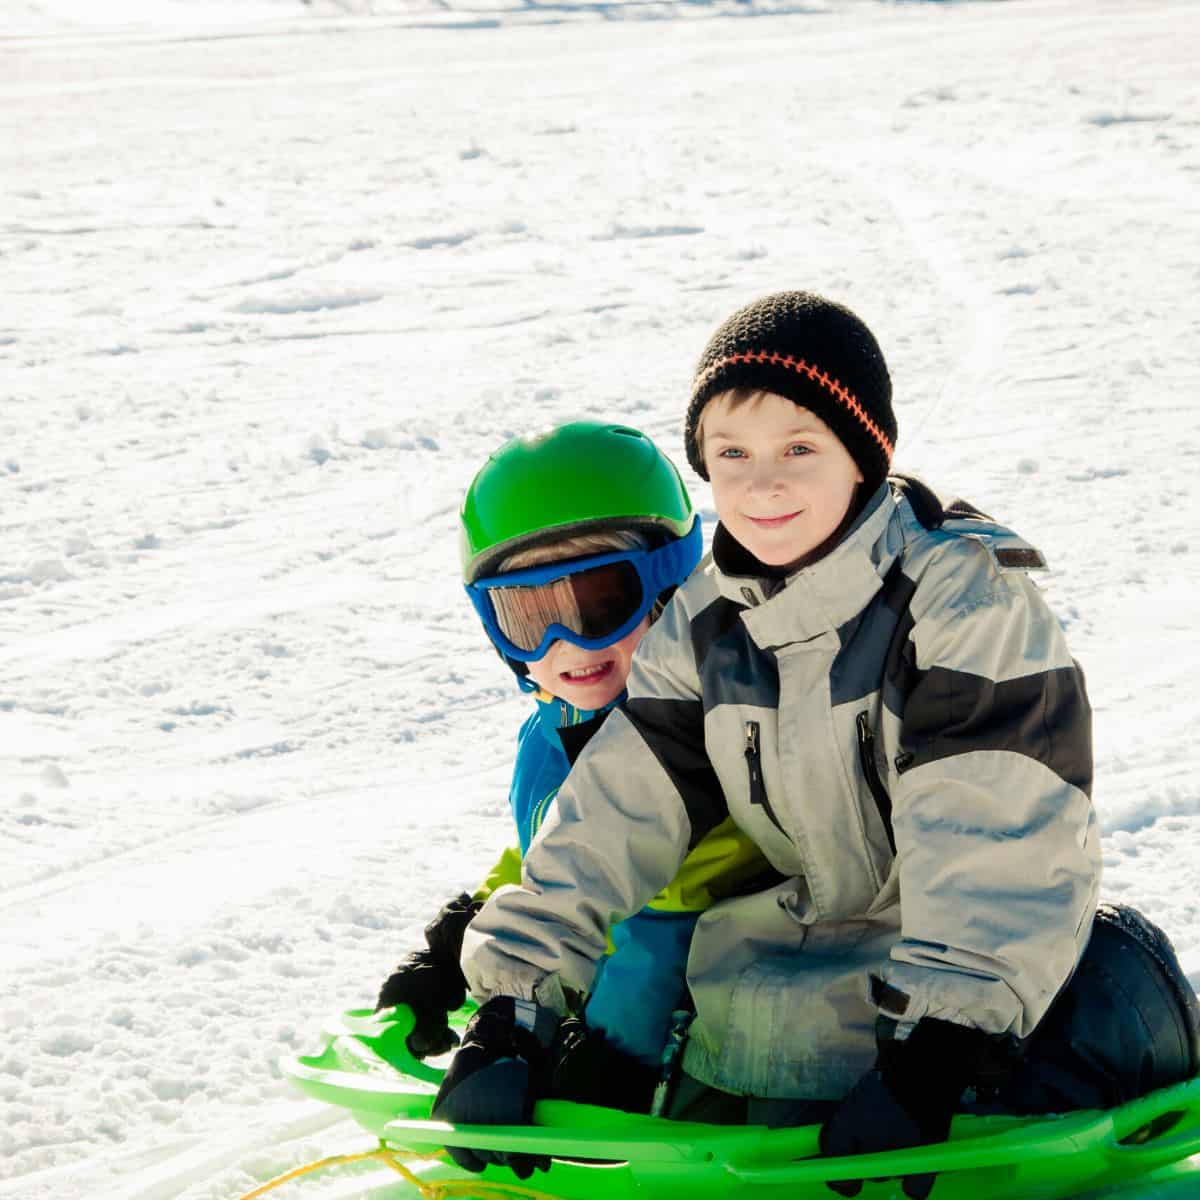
{"x": 592, "y": 603}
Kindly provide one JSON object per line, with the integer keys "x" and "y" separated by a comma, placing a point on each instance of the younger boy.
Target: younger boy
{"x": 869, "y": 684}
{"x": 571, "y": 540}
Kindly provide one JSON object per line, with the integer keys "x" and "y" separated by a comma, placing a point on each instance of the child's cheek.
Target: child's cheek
{"x": 542, "y": 674}
{"x": 626, "y": 646}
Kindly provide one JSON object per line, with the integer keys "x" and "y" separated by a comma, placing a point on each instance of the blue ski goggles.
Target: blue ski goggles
{"x": 592, "y": 602}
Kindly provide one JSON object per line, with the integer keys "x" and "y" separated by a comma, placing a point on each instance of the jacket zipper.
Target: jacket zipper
{"x": 866, "y": 757}
{"x": 758, "y": 788}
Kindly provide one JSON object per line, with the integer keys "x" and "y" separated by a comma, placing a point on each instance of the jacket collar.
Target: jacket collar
{"x": 555, "y": 714}
{"x": 823, "y": 595}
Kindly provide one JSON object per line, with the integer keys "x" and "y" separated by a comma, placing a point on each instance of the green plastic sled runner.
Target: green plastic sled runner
{"x": 366, "y": 1069}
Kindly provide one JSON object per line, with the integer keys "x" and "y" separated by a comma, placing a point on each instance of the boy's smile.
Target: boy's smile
{"x": 782, "y": 481}
{"x": 773, "y": 522}
{"x": 597, "y": 671}
{"x": 587, "y": 679}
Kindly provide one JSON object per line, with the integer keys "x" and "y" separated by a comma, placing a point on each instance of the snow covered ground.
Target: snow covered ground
{"x": 276, "y": 279}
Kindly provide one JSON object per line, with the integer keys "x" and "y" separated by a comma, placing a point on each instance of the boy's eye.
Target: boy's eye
{"x": 732, "y": 452}
{"x": 799, "y": 449}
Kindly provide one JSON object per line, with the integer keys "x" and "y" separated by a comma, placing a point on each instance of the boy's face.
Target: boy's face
{"x": 587, "y": 678}
{"x": 781, "y": 479}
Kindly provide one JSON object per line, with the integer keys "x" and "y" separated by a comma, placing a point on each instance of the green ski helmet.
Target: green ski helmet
{"x": 582, "y": 476}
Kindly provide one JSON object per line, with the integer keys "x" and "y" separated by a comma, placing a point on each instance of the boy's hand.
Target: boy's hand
{"x": 500, "y": 1070}
{"x": 433, "y": 990}
{"x": 907, "y": 1099}
{"x": 589, "y": 1069}
{"x": 431, "y": 982}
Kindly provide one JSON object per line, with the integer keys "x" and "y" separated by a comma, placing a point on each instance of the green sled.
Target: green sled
{"x": 1140, "y": 1149}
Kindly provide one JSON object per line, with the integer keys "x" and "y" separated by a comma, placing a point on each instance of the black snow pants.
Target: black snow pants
{"x": 1125, "y": 1024}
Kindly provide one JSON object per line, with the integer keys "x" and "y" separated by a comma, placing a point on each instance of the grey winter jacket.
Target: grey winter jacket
{"x": 899, "y": 722}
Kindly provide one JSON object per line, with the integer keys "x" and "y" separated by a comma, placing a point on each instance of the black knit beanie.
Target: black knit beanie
{"x": 814, "y": 352}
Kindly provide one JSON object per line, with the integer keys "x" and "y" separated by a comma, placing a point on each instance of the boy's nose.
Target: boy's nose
{"x": 767, "y": 479}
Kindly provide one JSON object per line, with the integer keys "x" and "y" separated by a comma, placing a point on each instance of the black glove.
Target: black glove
{"x": 907, "y": 1099}
{"x": 431, "y": 982}
{"x": 500, "y": 1070}
{"x": 590, "y": 1070}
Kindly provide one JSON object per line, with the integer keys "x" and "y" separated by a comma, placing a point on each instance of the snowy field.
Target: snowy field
{"x": 274, "y": 281}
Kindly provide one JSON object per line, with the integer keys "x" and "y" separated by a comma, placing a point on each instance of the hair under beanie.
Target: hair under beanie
{"x": 813, "y": 352}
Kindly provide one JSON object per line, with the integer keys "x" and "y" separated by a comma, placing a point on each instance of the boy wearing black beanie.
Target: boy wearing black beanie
{"x": 868, "y": 682}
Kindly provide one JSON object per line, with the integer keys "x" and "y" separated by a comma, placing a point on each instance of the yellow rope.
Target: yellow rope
{"x": 481, "y": 1190}
{"x": 333, "y": 1161}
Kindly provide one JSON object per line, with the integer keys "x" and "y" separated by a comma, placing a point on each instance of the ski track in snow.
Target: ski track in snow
{"x": 277, "y": 285}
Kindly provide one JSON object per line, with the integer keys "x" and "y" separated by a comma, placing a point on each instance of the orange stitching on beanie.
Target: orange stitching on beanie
{"x": 843, "y": 395}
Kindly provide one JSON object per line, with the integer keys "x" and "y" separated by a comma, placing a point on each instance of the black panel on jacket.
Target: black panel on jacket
{"x": 575, "y": 737}
{"x": 732, "y": 668}
{"x": 1045, "y": 716}
{"x": 674, "y": 732}
{"x": 858, "y": 669}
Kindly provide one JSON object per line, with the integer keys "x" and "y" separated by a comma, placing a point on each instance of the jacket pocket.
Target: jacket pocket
{"x": 866, "y": 758}
{"x": 758, "y": 786}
